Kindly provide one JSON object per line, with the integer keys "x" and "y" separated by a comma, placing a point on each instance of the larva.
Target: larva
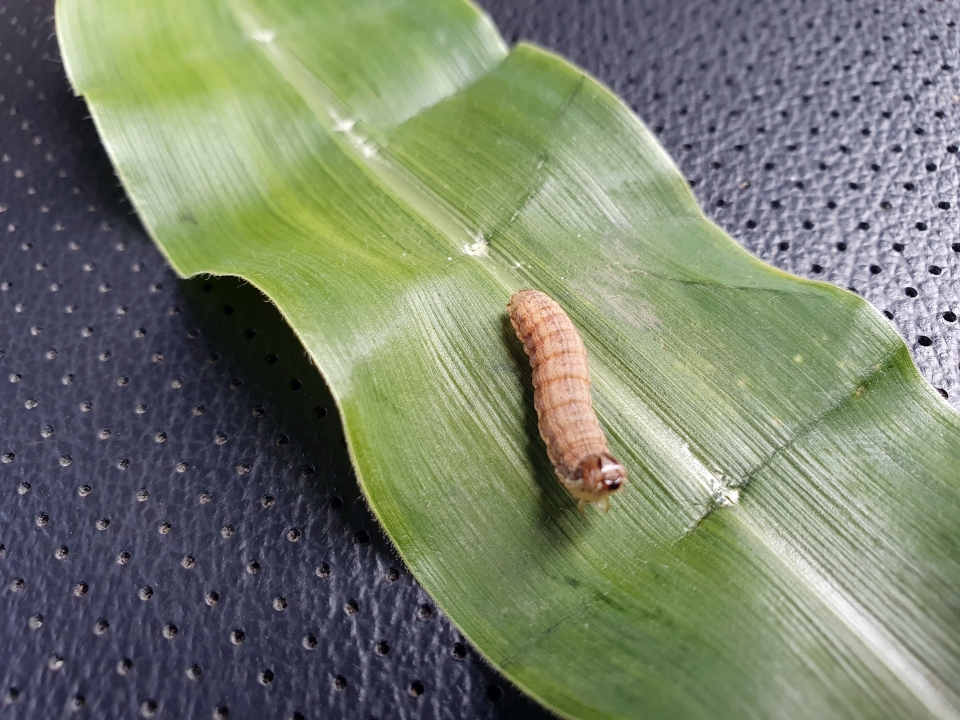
{"x": 561, "y": 394}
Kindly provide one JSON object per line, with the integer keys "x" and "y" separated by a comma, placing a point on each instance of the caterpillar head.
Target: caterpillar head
{"x": 601, "y": 475}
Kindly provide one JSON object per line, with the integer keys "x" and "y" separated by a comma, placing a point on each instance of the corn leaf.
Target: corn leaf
{"x": 388, "y": 172}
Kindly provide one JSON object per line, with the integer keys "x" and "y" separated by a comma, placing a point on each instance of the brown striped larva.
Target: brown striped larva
{"x": 561, "y": 394}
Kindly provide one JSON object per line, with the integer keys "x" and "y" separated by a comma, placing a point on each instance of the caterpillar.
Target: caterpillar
{"x": 561, "y": 395}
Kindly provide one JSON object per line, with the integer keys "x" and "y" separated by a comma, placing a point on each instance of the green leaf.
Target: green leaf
{"x": 388, "y": 173}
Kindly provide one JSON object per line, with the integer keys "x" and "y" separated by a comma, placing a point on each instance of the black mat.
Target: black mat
{"x": 180, "y": 528}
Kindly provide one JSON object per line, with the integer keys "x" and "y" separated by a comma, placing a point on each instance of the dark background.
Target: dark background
{"x": 164, "y": 439}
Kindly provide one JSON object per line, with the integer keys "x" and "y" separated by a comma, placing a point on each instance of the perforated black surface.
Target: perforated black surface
{"x": 165, "y": 439}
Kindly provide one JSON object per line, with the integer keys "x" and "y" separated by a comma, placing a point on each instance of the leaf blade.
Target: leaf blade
{"x": 236, "y": 151}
